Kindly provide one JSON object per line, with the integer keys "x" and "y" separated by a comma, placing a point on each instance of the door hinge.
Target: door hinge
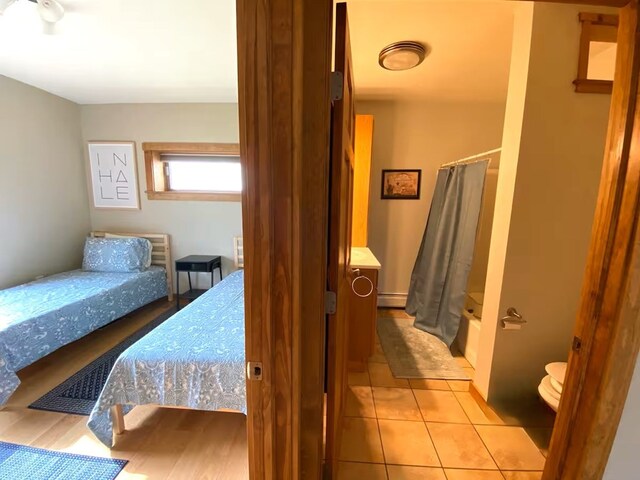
{"x": 337, "y": 85}
{"x": 330, "y": 302}
{"x": 577, "y": 344}
{"x": 254, "y": 370}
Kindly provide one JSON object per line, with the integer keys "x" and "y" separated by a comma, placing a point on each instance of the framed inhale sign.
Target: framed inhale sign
{"x": 113, "y": 175}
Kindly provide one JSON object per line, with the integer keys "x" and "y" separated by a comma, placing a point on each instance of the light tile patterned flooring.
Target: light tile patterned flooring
{"x": 397, "y": 429}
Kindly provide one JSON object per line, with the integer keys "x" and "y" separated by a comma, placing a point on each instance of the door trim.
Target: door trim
{"x": 284, "y": 63}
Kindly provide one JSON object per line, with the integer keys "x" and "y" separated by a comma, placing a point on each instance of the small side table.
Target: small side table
{"x": 198, "y": 264}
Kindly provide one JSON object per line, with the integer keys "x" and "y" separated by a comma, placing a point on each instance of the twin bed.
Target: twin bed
{"x": 195, "y": 359}
{"x": 39, "y": 317}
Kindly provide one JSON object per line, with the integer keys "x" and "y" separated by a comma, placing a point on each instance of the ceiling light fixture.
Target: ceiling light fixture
{"x": 50, "y": 11}
{"x": 402, "y": 55}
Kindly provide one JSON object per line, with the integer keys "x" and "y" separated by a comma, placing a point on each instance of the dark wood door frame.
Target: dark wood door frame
{"x": 284, "y": 50}
{"x": 284, "y": 100}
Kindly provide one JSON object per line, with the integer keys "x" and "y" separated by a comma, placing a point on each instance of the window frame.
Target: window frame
{"x": 158, "y": 183}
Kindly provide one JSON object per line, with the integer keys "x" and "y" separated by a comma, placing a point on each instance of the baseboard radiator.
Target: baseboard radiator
{"x": 392, "y": 300}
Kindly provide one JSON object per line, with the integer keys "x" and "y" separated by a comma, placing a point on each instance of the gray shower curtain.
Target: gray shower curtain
{"x": 439, "y": 279}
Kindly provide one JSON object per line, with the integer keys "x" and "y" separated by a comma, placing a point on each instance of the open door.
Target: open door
{"x": 338, "y": 271}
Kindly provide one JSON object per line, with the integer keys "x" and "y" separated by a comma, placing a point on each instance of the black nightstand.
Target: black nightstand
{"x": 198, "y": 264}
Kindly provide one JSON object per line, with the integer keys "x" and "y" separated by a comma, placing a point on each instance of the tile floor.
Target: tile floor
{"x": 396, "y": 429}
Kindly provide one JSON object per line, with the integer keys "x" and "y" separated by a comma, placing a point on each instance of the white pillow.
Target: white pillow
{"x": 147, "y": 262}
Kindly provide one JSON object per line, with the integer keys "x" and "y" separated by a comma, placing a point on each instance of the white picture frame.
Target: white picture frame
{"x": 113, "y": 175}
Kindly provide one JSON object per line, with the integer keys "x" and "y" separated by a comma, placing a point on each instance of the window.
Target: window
{"x": 193, "y": 171}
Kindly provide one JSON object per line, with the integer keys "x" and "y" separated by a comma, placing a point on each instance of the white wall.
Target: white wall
{"x": 44, "y": 213}
{"x": 543, "y": 241}
{"x": 195, "y": 227}
{"x": 418, "y": 135}
{"x": 623, "y": 460}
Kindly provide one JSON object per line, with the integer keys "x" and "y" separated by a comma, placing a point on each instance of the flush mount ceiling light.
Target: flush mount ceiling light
{"x": 50, "y": 11}
{"x": 402, "y": 55}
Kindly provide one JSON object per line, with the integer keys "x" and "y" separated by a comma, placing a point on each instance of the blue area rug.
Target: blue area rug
{"x": 19, "y": 462}
{"x": 78, "y": 394}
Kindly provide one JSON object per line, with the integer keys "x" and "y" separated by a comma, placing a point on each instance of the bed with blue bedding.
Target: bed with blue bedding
{"x": 195, "y": 359}
{"x": 39, "y": 317}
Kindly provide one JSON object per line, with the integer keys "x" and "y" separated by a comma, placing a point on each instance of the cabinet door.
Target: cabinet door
{"x": 363, "y": 315}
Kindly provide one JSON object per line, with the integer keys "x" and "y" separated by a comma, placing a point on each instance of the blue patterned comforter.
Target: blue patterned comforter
{"x": 194, "y": 359}
{"x": 39, "y": 317}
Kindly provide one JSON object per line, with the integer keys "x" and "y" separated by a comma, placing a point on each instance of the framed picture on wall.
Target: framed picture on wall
{"x": 114, "y": 175}
{"x": 401, "y": 184}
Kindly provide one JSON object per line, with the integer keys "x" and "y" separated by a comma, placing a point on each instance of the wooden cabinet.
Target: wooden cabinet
{"x": 362, "y": 321}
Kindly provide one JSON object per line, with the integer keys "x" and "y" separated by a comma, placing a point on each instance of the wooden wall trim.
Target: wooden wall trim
{"x": 600, "y": 372}
{"x": 231, "y": 149}
{"x": 284, "y": 104}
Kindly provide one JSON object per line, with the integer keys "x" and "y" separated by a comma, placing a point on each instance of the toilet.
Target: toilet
{"x": 550, "y": 388}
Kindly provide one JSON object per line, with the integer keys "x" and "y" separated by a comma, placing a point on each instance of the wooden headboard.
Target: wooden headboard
{"x": 160, "y": 255}
{"x": 238, "y": 250}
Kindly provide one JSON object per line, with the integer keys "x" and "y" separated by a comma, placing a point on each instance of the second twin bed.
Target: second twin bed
{"x": 195, "y": 359}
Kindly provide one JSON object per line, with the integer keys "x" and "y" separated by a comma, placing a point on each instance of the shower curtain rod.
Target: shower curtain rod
{"x": 472, "y": 159}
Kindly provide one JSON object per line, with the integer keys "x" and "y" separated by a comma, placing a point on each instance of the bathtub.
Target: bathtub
{"x": 468, "y": 338}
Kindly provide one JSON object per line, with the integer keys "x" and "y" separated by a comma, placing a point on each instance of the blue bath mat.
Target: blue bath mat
{"x": 78, "y": 394}
{"x": 19, "y": 462}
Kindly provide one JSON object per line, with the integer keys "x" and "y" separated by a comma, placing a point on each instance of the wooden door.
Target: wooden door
{"x": 338, "y": 271}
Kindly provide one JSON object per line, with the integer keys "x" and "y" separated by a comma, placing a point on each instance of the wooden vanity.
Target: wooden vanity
{"x": 363, "y": 310}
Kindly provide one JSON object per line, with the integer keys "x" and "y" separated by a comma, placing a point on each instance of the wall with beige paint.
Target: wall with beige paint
{"x": 195, "y": 227}
{"x": 418, "y": 135}
{"x": 552, "y": 157}
{"x": 44, "y": 212}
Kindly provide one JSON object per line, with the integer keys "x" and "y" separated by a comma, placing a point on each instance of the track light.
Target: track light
{"x": 50, "y": 11}
{"x": 4, "y": 4}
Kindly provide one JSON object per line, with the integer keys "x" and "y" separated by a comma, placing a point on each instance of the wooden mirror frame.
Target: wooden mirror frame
{"x": 582, "y": 83}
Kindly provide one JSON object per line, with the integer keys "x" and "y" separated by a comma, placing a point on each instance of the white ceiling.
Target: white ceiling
{"x": 122, "y": 51}
{"x": 470, "y": 48}
{"x": 160, "y": 51}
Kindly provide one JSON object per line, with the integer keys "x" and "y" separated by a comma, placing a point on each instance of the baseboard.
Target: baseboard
{"x": 392, "y": 300}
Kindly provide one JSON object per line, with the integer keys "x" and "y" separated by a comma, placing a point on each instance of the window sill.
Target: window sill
{"x": 195, "y": 196}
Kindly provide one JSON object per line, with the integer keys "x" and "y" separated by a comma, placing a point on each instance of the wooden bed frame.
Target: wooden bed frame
{"x": 160, "y": 255}
{"x": 117, "y": 416}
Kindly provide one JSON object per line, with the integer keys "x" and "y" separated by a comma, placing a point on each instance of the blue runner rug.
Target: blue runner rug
{"x": 19, "y": 462}
{"x": 78, "y": 394}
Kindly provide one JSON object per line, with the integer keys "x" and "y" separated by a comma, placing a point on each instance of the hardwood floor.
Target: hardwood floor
{"x": 159, "y": 442}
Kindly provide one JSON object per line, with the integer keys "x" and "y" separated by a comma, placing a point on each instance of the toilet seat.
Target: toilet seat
{"x": 555, "y": 384}
{"x": 550, "y": 388}
{"x": 557, "y": 370}
{"x": 544, "y": 391}
{"x": 546, "y": 384}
